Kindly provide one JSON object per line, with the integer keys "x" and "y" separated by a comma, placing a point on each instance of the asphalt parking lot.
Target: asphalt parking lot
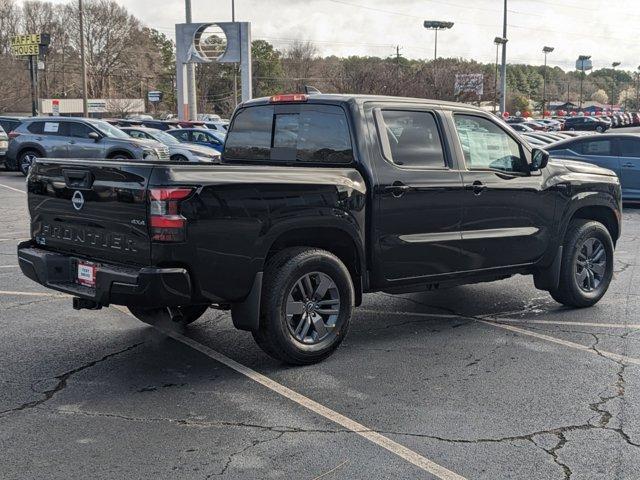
{"x": 489, "y": 381}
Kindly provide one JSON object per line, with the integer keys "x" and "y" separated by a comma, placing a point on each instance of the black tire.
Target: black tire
{"x": 25, "y": 160}
{"x": 121, "y": 156}
{"x": 179, "y": 158}
{"x": 599, "y": 129}
{"x": 160, "y": 316}
{"x": 283, "y": 274}
{"x": 571, "y": 292}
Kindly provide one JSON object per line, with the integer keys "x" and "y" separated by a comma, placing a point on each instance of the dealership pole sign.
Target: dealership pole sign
{"x": 193, "y": 46}
{"x": 31, "y": 46}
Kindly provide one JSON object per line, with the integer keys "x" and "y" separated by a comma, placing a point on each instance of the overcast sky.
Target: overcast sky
{"x": 606, "y": 29}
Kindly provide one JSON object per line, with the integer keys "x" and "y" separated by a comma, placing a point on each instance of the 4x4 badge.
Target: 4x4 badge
{"x": 77, "y": 200}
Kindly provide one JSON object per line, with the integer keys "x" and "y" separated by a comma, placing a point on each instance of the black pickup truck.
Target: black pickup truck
{"x": 320, "y": 199}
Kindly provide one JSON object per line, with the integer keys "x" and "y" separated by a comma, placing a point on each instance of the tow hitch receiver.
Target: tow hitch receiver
{"x": 84, "y": 304}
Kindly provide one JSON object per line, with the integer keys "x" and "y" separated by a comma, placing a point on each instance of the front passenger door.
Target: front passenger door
{"x": 80, "y": 145}
{"x": 629, "y": 165}
{"x": 507, "y": 213}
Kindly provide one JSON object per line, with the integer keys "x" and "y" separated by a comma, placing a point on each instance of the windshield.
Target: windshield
{"x": 164, "y": 138}
{"x": 109, "y": 130}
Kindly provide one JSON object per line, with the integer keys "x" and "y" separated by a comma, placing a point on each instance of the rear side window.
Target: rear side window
{"x": 9, "y": 125}
{"x": 414, "y": 140}
{"x": 36, "y": 127}
{"x": 291, "y": 133}
{"x": 593, "y": 147}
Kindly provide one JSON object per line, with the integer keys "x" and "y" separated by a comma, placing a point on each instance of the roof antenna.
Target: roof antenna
{"x": 309, "y": 90}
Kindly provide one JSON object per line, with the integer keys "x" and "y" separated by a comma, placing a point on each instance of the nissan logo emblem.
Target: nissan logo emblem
{"x": 77, "y": 200}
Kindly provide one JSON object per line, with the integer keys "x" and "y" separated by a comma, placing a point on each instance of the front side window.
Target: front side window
{"x": 414, "y": 140}
{"x": 78, "y": 130}
{"x": 629, "y": 147}
{"x": 487, "y": 147}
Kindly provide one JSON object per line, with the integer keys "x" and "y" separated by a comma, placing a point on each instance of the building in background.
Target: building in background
{"x": 98, "y": 108}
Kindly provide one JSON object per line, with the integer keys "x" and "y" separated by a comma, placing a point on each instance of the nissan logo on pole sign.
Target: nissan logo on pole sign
{"x": 77, "y": 200}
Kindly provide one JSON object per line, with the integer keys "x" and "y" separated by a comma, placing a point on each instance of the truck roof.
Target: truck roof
{"x": 360, "y": 99}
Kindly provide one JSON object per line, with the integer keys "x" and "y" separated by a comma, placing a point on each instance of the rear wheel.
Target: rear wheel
{"x": 587, "y": 264}
{"x": 180, "y": 316}
{"x": 307, "y": 305}
{"x": 25, "y": 161}
{"x": 599, "y": 129}
{"x": 179, "y": 158}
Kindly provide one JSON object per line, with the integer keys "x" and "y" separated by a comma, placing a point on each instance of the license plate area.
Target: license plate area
{"x": 86, "y": 273}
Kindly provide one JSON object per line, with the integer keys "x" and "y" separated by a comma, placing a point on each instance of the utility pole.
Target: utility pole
{"x": 191, "y": 74}
{"x": 83, "y": 61}
{"x": 503, "y": 72}
{"x": 397, "y": 69}
{"x": 545, "y": 50}
{"x": 638, "y": 89}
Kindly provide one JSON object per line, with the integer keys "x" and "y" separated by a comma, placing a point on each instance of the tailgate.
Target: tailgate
{"x": 93, "y": 209}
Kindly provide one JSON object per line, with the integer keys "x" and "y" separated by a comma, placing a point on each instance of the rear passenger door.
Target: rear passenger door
{"x": 53, "y": 136}
{"x": 418, "y": 195}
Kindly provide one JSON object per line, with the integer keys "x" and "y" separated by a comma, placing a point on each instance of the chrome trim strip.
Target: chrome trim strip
{"x": 499, "y": 233}
{"x": 469, "y": 235}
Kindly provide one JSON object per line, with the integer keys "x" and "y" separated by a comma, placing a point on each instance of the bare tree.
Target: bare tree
{"x": 298, "y": 62}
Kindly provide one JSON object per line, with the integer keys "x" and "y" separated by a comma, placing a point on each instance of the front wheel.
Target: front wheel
{"x": 307, "y": 304}
{"x": 180, "y": 316}
{"x": 587, "y": 264}
{"x": 26, "y": 160}
{"x": 599, "y": 129}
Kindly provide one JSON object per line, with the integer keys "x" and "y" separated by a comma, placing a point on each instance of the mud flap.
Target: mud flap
{"x": 246, "y": 314}
{"x": 549, "y": 278}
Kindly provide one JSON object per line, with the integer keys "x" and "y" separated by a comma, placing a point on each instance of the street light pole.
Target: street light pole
{"x": 613, "y": 85}
{"x": 83, "y": 61}
{"x": 498, "y": 41}
{"x": 235, "y": 65}
{"x": 503, "y": 71}
{"x": 546, "y": 51}
{"x": 583, "y": 64}
{"x": 437, "y": 25}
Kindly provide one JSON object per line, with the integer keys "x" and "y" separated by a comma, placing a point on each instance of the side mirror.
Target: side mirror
{"x": 539, "y": 159}
{"x": 95, "y": 136}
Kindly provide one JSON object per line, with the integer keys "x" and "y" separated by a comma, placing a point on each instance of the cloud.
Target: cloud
{"x": 604, "y": 29}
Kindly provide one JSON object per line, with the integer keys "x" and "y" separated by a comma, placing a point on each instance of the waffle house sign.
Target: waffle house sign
{"x": 29, "y": 45}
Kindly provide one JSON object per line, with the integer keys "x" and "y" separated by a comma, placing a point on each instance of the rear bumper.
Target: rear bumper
{"x": 144, "y": 287}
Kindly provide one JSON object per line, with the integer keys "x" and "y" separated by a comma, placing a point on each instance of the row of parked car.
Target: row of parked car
{"x": 598, "y": 124}
{"x": 616, "y": 151}
{"x": 73, "y": 137}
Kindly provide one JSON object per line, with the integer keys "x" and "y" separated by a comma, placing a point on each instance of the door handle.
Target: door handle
{"x": 628, "y": 165}
{"x": 478, "y": 187}
{"x": 72, "y": 142}
{"x": 397, "y": 189}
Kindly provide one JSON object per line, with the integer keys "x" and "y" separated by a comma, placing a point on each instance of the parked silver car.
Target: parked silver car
{"x": 178, "y": 152}
{"x": 66, "y": 137}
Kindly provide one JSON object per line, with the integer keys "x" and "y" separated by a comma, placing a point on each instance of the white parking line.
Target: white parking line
{"x": 9, "y": 266}
{"x": 14, "y": 189}
{"x": 400, "y": 450}
{"x": 524, "y": 322}
{"x": 613, "y": 356}
{"x": 33, "y": 294}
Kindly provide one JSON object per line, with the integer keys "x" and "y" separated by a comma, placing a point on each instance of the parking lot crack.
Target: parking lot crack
{"x": 61, "y": 381}
{"x": 232, "y": 456}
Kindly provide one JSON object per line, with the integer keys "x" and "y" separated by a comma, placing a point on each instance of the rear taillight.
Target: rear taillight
{"x": 13, "y": 135}
{"x": 165, "y": 220}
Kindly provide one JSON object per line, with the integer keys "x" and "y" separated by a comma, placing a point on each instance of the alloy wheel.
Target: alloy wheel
{"x": 313, "y": 308}
{"x": 590, "y": 265}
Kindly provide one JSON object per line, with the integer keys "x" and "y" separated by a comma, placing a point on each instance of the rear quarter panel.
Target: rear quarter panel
{"x": 238, "y": 213}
